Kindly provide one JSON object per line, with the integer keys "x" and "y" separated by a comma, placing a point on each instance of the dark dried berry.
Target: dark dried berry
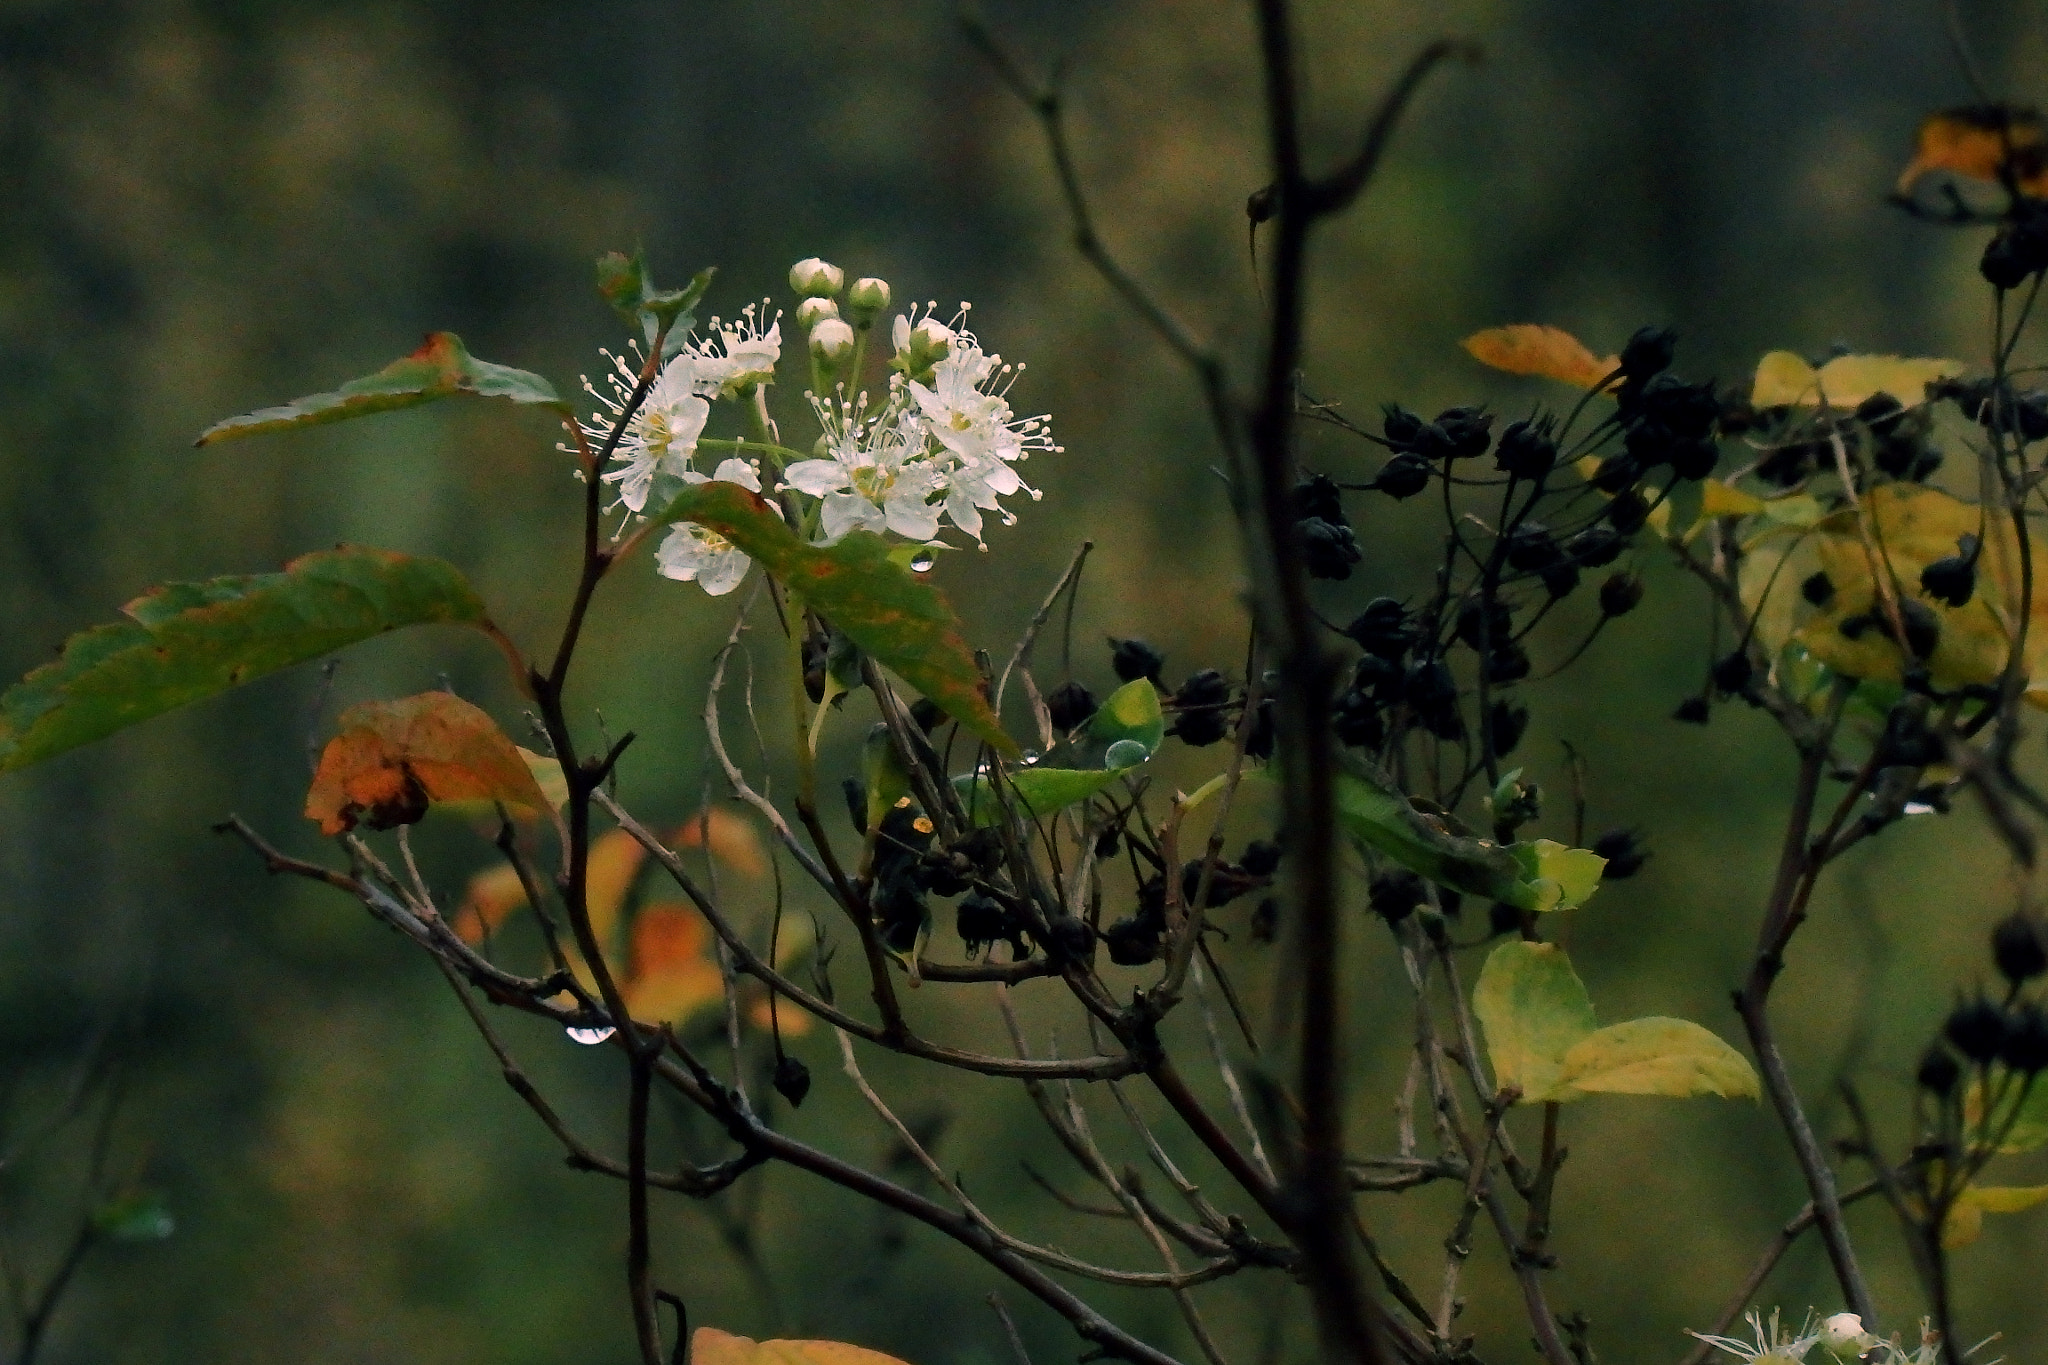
{"x": 792, "y": 1080}
{"x": 1818, "y": 589}
{"x": 1595, "y": 547}
{"x": 1879, "y": 410}
{"x": 1483, "y": 624}
{"x": 1446, "y": 722}
{"x": 1395, "y": 894}
{"x": 1732, "y": 672}
{"x": 1259, "y": 743}
{"x": 1621, "y": 594}
{"x": 1317, "y": 496}
{"x": 1070, "y": 940}
{"x": 2018, "y": 947}
{"x": 1106, "y": 843}
{"x": 1358, "y": 723}
{"x": 1623, "y": 849}
{"x": 1923, "y": 627}
{"x": 1206, "y": 688}
{"x": 1531, "y": 547}
{"x": 1508, "y": 663}
{"x": 1402, "y": 428}
{"x": 1131, "y": 942}
{"x": 1384, "y": 678}
{"x": 1134, "y": 659}
{"x": 1508, "y": 722}
{"x": 1628, "y": 512}
{"x": 1261, "y": 858}
{"x": 1502, "y": 918}
{"x": 1648, "y": 352}
{"x": 1526, "y": 450}
{"x": 1430, "y": 685}
{"x": 1069, "y": 705}
{"x": 1687, "y": 411}
{"x": 2026, "y": 1040}
{"x": 1560, "y": 580}
{"x": 1383, "y": 628}
{"x": 2011, "y": 256}
{"x": 1226, "y": 883}
{"x": 1328, "y": 549}
{"x": 817, "y": 647}
{"x": 1939, "y": 1071}
{"x": 1693, "y": 711}
{"x": 856, "y": 793}
{"x": 927, "y": 713}
{"x": 1467, "y": 431}
{"x": 1953, "y": 579}
{"x": 1789, "y": 464}
{"x": 1618, "y": 474}
{"x": 1265, "y": 921}
{"x": 1695, "y": 458}
{"x": 1403, "y": 476}
{"x": 1977, "y": 1028}
{"x": 1199, "y": 729}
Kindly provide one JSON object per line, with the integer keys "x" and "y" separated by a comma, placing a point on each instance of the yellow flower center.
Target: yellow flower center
{"x": 657, "y": 433}
{"x": 873, "y": 482}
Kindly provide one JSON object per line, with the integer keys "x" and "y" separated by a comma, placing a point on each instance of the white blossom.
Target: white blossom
{"x": 692, "y": 552}
{"x": 1773, "y": 1345}
{"x": 740, "y": 355}
{"x": 662, "y": 434}
{"x": 878, "y": 477}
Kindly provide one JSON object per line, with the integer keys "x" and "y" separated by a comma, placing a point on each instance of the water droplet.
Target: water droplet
{"x": 1916, "y": 808}
{"x": 590, "y": 1037}
{"x": 922, "y": 561}
{"x": 1031, "y": 756}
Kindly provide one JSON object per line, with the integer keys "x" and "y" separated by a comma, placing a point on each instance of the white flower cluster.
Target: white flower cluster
{"x": 1843, "y": 1340}
{"x": 940, "y": 445}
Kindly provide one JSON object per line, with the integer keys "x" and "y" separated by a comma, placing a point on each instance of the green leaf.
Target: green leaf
{"x": 626, "y": 285}
{"x": 2022, "y": 1112}
{"x": 882, "y": 773}
{"x": 1130, "y": 713}
{"x": 440, "y": 368}
{"x": 185, "y": 642}
{"x": 1534, "y": 1009}
{"x": 1538, "y": 876}
{"x": 1374, "y": 811}
{"x": 138, "y": 1217}
{"x": 881, "y": 607}
{"x": 1655, "y": 1057}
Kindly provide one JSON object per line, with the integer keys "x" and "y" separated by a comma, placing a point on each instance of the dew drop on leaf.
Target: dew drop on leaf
{"x": 590, "y": 1037}
{"x": 922, "y": 561}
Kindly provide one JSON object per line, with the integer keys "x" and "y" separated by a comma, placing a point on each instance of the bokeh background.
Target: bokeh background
{"x": 212, "y": 206}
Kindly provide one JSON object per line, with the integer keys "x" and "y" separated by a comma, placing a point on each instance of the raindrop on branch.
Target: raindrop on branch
{"x": 590, "y": 1037}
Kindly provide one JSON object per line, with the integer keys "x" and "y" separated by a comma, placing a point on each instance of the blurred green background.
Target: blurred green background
{"x": 213, "y": 206}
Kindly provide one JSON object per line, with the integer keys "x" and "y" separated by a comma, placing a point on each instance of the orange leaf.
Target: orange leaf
{"x": 392, "y": 758}
{"x": 709, "y": 1346}
{"x": 615, "y": 858}
{"x": 1536, "y": 348}
{"x": 493, "y": 895}
{"x": 731, "y": 838}
{"x": 672, "y": 974}
{"x": 1983, "y": 142}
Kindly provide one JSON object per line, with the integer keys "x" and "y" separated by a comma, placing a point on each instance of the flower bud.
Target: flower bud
{"x": 1620, "y": 594}
{"x": 816, "y": 279}
{"x": 1939, "y": 1071}
{"x": 1843, "y": 1337}
{"x": 866, "y": 300}
{"x": 813, "y": 311}
{"x": 832, "y": 341}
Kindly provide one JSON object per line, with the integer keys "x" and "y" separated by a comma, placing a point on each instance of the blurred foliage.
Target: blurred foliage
{"x": 216, "y": 205}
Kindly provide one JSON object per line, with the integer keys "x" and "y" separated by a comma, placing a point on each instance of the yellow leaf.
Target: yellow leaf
{"x": 1981, "y": 143}
{"x": 1672, "y": 1057}
{"x": 1718, "y": 499}
{"x": 709, "y": 1346}
{"x": 1783, "y": 379}
{"x": 1899, "y": 530}
{"x": 1535, "y": 348}
{"x": 1965, "y": 1221}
